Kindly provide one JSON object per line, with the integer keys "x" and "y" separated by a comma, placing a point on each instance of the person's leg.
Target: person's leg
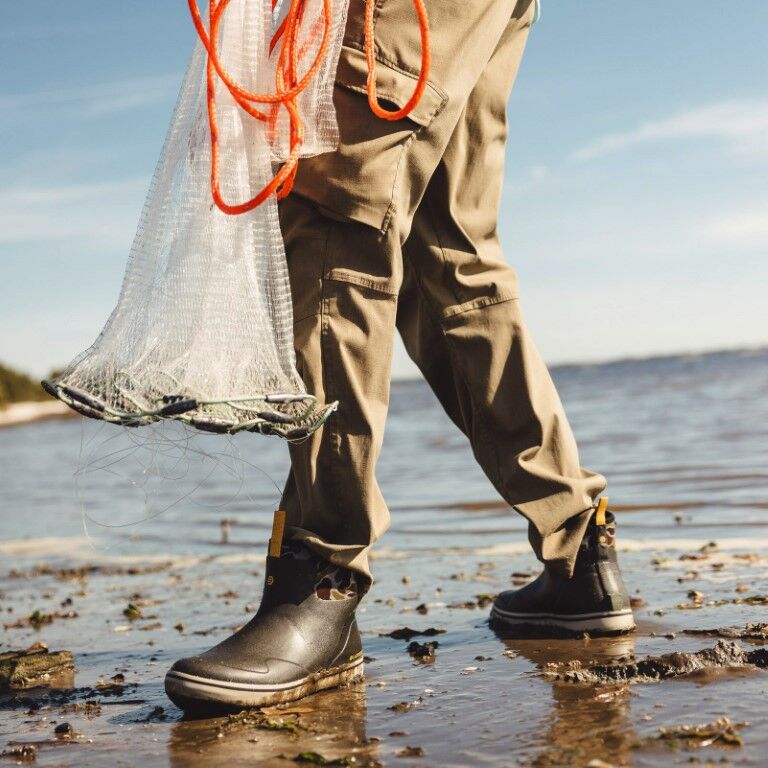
{"x": 345, "y": 278}
{"x": 461, "y": 322}
{"x": 343, "y": 228}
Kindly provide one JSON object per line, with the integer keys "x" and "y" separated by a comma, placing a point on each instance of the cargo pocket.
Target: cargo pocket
{"x": 357, "y": 336}
{"x": 360, "y": 178}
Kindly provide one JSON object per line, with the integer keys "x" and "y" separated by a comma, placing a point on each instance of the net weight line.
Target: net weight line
{"x": 309, "y": 415}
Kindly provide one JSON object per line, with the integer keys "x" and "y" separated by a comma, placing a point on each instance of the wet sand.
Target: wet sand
{"x": 684, "y": 445}
{"x": 20, "y": 414}
{"x": 482, "y": 700}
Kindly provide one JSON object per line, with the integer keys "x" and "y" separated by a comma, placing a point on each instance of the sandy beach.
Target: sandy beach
{"x": 476, "y": 699}
{"x": 441, "y": 687}
{"x": 19, "y": 414}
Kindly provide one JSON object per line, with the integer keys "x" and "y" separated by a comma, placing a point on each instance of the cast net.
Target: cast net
{"x": 202, "y": 331}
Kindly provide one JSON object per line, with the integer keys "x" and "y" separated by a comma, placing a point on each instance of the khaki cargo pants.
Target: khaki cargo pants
{"x": 397, "y": 229}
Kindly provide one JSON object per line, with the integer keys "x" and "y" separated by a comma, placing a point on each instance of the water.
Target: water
{"x": 683, "y": 442}
{"x": 686, "y": 433}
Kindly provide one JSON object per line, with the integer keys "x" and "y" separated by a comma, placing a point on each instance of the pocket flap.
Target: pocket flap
{"x": 393, "y": 84}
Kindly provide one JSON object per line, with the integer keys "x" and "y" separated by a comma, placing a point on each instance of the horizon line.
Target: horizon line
{"x": 595, "y": 363}
{"x": 750, "y": 349}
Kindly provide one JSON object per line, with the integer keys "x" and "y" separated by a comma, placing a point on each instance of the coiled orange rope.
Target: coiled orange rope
{"x": 288, "y": 85}
{"x": 370, "y": 57}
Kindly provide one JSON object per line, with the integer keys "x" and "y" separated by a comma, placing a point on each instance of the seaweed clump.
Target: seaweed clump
{"x": 34, "y": 666}
{"x": 723, "y": 655}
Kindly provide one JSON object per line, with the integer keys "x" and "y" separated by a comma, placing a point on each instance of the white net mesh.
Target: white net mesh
{"x": 321, "y": 132}
{"x": 202, "y": 331}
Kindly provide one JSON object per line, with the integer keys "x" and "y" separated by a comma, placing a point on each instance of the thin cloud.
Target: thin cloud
{"x": 95, "y": 99}
{"x": 746, "y": 228}
{"x": 532, "y": 177}
{"x": 742, "y": 125}
{"x": 93, "y": 213}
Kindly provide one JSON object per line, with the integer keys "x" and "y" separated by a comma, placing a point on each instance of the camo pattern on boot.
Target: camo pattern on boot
{"x": 334, "y": 582}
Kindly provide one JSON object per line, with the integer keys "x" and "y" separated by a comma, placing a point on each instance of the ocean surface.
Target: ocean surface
{"x": 683, "y": 433}
{"x": 683, "y": 442}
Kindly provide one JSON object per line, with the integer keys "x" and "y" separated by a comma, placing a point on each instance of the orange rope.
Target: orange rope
{"x": 370, "y": 56}
{"x": 288, "y": 85}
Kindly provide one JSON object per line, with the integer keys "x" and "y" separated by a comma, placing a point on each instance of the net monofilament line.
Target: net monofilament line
{"x": 202, "y": 331}
{"x": 203, "y": 328}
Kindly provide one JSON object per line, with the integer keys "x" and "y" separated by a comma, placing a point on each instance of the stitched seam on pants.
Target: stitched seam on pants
{"x": 482, "y": 303}
{"x": 334, "y": 438}
{"x": 351, "y": 277}
{"x": 459, "y": 370}
{"x": 433, "y": 220}
{"x": 476, "y": 416}
{"x": 392, "y": 208}
{"x": 424, "y": 296}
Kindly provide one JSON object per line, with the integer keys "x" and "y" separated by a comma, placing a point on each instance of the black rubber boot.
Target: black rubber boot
{"x": 594, "y": 600}
{"x": 303, "y": 639}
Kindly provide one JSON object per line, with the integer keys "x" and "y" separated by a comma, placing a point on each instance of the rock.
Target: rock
{"x": 409, "y": 751}
{"x": 406, "y": 633}
{"x": 423, "y": 652}
{"x": 33, "y": 666}
{"x": 405, "y": 706}
{"x": 88, "y": 708}
{"x": 315, "y": 758}
{"x": 38, "y": 619}
{"x": 484, "y": 600}
{"x": 132, "y": 612}
{"x": 25, "y": 753}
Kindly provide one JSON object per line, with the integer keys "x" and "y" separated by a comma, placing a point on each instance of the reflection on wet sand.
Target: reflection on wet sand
{"x": 331, "y": 724}
{"x": 585, "y": 721}
{"x": 685, "y": 469}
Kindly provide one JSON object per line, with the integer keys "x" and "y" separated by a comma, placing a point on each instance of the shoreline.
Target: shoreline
{"x": 122, "y": 621}
{"x": 33, "y": 411}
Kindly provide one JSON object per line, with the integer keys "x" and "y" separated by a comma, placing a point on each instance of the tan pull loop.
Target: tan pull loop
{"x": 278, "y": 529}
{"x": 602, "y": 507}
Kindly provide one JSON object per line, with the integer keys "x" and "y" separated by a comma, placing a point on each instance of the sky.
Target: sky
{"x": 635, "y": 207}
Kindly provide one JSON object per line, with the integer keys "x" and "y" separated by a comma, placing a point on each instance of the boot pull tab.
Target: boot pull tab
{"x": 278, "y": 529}
{"x": 602, "y": 507}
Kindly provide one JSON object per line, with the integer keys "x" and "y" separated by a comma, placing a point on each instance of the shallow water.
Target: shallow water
{"x": 683, "y": 441}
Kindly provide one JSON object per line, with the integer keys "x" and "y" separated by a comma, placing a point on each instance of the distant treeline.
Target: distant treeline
{"x": 16, "y": 387}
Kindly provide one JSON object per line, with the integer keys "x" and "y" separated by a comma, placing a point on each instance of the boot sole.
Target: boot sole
{"x": 614, "y": 623}
{"x": 192, "y": 693}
